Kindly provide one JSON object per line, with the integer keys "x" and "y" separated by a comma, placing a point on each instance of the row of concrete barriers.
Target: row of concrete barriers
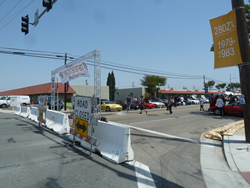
{"x": 113, "y": 140}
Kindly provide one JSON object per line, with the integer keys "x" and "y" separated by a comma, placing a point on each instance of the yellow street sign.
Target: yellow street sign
{"x": 40, "y": 114}
{"x": 225, "y": 37}
{"x": 81, "y": 127}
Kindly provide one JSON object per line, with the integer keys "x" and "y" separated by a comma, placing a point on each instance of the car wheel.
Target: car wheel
{"x": 216, "y": 111}
{"x": 4, "y": 105}
{"x": 108, "y": 109}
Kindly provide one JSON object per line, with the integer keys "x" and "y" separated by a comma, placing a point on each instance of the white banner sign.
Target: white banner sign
{"x": 79, "y": 69}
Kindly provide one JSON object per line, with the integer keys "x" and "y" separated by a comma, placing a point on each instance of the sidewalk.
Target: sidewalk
{"x": 237, "y": 153}
{"x": 226, "y": 163}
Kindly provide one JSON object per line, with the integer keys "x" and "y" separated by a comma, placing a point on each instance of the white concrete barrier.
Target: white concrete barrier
{"x": 57, "y": 121}
{"x": 113, "y": 141}
{"x": 34, "y": 114}
{"x": 25, "y": 112}
{"x": 18, "y": 110}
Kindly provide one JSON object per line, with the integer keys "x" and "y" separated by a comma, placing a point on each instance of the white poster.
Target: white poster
{"x": 79, "y": 69}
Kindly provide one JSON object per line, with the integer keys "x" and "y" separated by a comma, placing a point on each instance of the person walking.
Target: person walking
{"x": 170, "y": 104}
{"x": 220, "y": 105}
{"x": 142, "y": 107}
{"x": 128, "y": 102}
{"x": 201, "y": 105}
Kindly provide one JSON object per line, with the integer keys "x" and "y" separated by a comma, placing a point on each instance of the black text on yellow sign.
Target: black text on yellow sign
{"x": 81, "y": 127}
{"x": 40, "y": 114}
{"x": 225, "y": 37}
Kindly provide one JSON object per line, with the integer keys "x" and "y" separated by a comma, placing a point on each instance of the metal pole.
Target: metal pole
{"x": 65, "y": 85}
{"x": 244, "y": 68}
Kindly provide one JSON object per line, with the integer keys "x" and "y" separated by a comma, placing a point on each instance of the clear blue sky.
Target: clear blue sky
{"x": 160, "y": 35}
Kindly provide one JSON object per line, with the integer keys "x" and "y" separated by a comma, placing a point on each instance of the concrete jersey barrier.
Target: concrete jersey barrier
{"x": 18, "y": 110}
{"x": 34, "y": 114}
{"x": 25, "y": 112}
{"x": 57, "y": 121}
{"x": 113, "y": 142}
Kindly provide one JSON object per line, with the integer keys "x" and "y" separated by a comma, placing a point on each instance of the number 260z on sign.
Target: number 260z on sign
{"x": 225, "y": 37}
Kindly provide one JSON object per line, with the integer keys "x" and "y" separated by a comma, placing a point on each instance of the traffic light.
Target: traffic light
{"x": 47, "y": 4}
{"x": 25, "y": 24}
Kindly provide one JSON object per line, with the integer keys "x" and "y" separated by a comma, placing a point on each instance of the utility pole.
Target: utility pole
{"x": 204, "y": 82}
{"x": 244, "y": 68}
{"x": 65, "y": 86}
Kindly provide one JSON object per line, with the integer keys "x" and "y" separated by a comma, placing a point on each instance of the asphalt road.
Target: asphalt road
{"x": 173, "y": 158}
{"x": 167, "y": 143}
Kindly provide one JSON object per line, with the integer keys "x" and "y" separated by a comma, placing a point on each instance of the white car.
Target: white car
{"x": 194, "y": 101}
{"x": 157, "y": 104}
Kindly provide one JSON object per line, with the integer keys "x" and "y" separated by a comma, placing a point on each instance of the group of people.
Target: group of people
{"x": 221, "y": 101}
{"x": 141, "y": 100}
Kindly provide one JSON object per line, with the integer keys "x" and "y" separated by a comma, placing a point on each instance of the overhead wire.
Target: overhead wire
{"x": 10, "y": 10}
{"x": 104, "y": 64}
{"x": 2, "y": 3}
{"x": 16, "y": 15}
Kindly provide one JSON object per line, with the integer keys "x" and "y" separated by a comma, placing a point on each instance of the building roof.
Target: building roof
{"x": 188, "y": 92}
{"x": 37, "y": 90}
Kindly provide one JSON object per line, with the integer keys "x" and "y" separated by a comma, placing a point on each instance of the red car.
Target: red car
{"x": 235, "y": 108}
{"x": 147, "y": 105}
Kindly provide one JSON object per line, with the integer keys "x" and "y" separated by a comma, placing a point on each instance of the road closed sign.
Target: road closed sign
{"x": 82, "y": 108}
{"x": 225, "y": 37}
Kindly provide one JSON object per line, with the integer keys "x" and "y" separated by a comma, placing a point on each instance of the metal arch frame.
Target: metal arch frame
{"x": 96, "y": 55}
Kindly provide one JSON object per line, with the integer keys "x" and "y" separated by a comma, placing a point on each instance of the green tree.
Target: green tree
{"x": 153, "y": 83}
{"x": 111, "y": 84}
{"x": 221, "y": 86}
{"x": 237, "y": 86}
{"x": 233, "y": 86}
{"x": 210, "y": 84}
{"x": 247, "y": 10}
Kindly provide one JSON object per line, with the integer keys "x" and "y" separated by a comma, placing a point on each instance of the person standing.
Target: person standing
{"x": 170, "y": 104}
{"x": 128, "y": 102}
{"x": 59, "y": 104}
{"x": 142, "y": 107}
{"x": 201, "y": 105}
{"x": 220, "y": 105}
{"x": 175, "y": 101}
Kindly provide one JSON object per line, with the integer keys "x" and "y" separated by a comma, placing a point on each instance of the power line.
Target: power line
{"x": 10, "y": 10}
{"x": 16, "y": 15}
{"x": 2, "y": 3}
{"x": 111, "y": 65}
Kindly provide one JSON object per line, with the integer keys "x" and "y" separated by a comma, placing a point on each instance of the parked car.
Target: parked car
{"x": 124, "y": 105}
{"x": 205, "y": 100}
{"x": 188, "y": 102}
{"x": 153, "y": 101}
{"x": 147, "y": 105}
{"x": 235, "y": 108}
{"x": 194, "y": 101}
{"x": 110, "y": 106}
{"x": 157, "y": 104}
{"x": 4, "y": 102}
{"x": 160, "y": 100}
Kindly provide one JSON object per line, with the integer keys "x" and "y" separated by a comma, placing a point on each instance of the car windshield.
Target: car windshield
{"x": 109, "y": 102}
{"x": 2, "y": 98}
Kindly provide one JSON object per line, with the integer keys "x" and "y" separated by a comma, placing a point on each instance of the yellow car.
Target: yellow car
{"x": 109, "y": 105}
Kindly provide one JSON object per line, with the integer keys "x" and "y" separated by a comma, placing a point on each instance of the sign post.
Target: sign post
{"x": 41, "y": 108}
{"x": 244, "y": 68}
{"x": 83, "y": 117}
